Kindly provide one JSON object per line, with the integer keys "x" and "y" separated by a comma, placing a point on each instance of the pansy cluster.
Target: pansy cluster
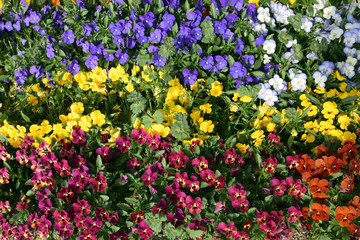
{"x": 173, "y": 120}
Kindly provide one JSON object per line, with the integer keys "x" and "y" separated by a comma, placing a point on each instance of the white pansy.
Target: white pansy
{"x": 306, "y": 24}
{"x": 352, "y": 61}
{"x": 299, "y": 82}
{"x": 336, "y": 33}
{"x": 319, "y": 79}
{"x": 263, "y": 14}
{"x": 264, "y": 87}
{"x": 267, "y": 59}
{"x": 277, "y": 83}
{"x": 270, "y": 97}
{"x": 347, "y": 70}
{"x": 269, "y": 46}
{"x": 329, "y": 12}
{"x": 290, "y": 43}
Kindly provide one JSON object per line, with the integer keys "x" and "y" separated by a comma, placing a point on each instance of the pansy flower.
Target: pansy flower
{"x": 320, "y": 212}
{"x": 345, "y": 214}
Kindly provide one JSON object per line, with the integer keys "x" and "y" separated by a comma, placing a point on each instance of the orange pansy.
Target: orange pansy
{"x": 319, "y": 187}
{"x": 347, "y": 184}
{"x": 320, "y": 212}
{"x": 345, "y": 215}
{"x": 356, "y": 204}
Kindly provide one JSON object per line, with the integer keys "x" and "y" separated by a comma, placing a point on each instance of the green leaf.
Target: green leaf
{"x": 230, "y": 60}
{"x": 124, "y": 206}
{"x": 277, "y": 118}
{"x": 159, "y": 117}
{"x": 110, "y": 50}
{"x": 159, "y": 153}
{"x": 3, "y": 139}
{"x": 39, "y": 140}
{"x": 138, "y": 102}
{"x": 298, "y": 52}
{"x": 348, "y": 100}
{"x": 194, "y": 233}
{"x": 104, "y": 198}
{"x": 26, "y": 118}
{"x": 8, "y": 167}
{"x": 132, "y": 200}
{"x": 258, "y": 159}
{"x": 147, "y": 121}
{"x": 3, "y": 77}
{"x": 167, "y": 49}
{"x": 314, "y": 100}
{"x": 98, "y": 163}
{"x": 180, "y": 128}
{"x": 290, "y": 113}
{"x": 258, "y": 74}
{"x": 171, "y": 232}
{"x": 269, "y": 198}
{"x": 154, "y": 222}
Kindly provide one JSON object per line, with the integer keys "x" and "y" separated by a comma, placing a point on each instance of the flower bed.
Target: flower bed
{"x": 174, "y": 120}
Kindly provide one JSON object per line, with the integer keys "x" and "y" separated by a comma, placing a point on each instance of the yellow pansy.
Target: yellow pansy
{"x": 271, "y": 127}
{"x": 77, "y": 107}
{"x": 85, "y": 123}
{"x": 216, "y": 89}
{"x": 329, "y": 110}
{"x": 337, "y": 75}
{"x": 313, "y": 111}
{"x": 32, "y": 100}
{"x": 246, "y": 98}
{"x": 233, "y": 108}
{"x": 129, "y": 87}
{"x": 159, "y": 129}
{"x": 206, "y": 108}
{"x": 196, "y": 116}
{"x": 207, "y": 126}
{"x": 97, "y": 118}
{"x": 344, "y": 121}
{"x": 308, "y": 138}
{"x": 242, "y": 147}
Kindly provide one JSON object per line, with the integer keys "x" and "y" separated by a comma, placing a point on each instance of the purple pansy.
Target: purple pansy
{"x": 68, "y": 36}
{"x": 122, "y": 56}
{"x": 73, "y": 67}
{"x": 91, "y": 61}
{"x": 195, "y": 18}
{"x": 251, "y": 12}
{"x": 237, "y": 70}
{"x": 167, "y": 22}
{"x": 220, "y": 26}
{"x": 207, "y": 62}
{"x": 248, "y": 60}
{"x": 221, "y": 62}
{"x": 147, "y": 19}
{"x": 190, "y": 77}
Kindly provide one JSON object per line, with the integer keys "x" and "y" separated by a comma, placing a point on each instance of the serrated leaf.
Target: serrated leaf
{"x": 180, "y": 128}
{"x": 290, "y": 113}
{"x": 159, "y": 117}
{"x": 147, "y": 121}
{"x": 171, "y": 232}
{"x": 194, "y": 233}
{"x": 154, "y": 222}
